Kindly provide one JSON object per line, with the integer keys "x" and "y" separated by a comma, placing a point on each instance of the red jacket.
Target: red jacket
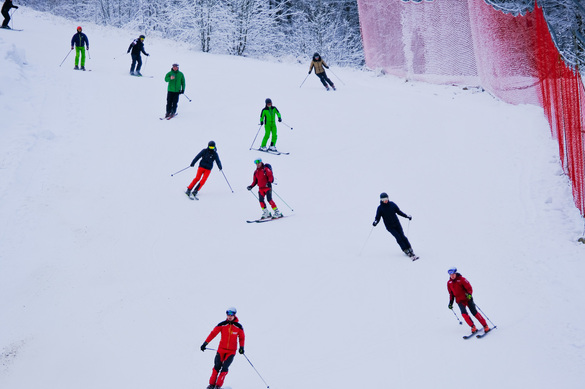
{"x": 458, "y": 288}
{"x": 262, "y": 176}
{"x": 230, "y": 331}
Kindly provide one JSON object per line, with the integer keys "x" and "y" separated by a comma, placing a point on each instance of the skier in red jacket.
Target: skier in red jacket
{"x": 231, "y": 331}
{"x": 461, "y": 291}
{"x": 263, "y": 178}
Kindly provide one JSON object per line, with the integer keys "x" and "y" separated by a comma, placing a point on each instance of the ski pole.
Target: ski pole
{"x": 256, "y": 371}
{"x": 255, "y": 136}
{"x": 304, "y": 80}
{"x": 12, "y": 18}
{"x": 88, "y": 54}
{"x": 283, "y": 200}
{"x": 180, "y": 171}
{"x": 254, "y": 194}
{"x": 408, "y": 228}
{"x": 457, "y": 317}
{"x": 226, "y": 180}
{"x": 485, "y": 316}
{"x": 367, "y": 239}
{"x": 337, "y": 77}
{"x": 66, "y": 57}
{"x": 186, "y": 97}
{"x": 287, "y": 125}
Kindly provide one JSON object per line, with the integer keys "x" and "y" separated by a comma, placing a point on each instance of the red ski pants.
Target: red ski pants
{"x": 268, "y": 193}
{"x": 221, "y": 364}
{"x": 202, "y": 175}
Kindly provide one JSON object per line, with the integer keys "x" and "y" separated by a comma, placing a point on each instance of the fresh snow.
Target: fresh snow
{"x": 111, "y": 278}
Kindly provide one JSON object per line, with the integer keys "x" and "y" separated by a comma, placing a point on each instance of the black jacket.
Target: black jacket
{"x": 207, "y": 157}
{"x": 388, "y": 212}
{"x": 137, "y": 46}
{"x": 7, "y": 5}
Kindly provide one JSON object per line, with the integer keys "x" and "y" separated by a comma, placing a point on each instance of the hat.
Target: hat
{"x": 231, "y": 311}
{"x": 141, "y": 37}
{"x": 79, "y": 28}
{"x": 268, "y": 101}
{"x": 383, "y": 195}
{"x": 176, "y": 64}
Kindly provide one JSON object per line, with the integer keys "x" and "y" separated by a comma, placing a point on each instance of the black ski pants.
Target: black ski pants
{"x": 223, "y": 365}
{"x": 172, "y": 102}
{"x": 398, "y": 234}
{"x": 324, "y": 79}
{"x": 6, "y": 18}
{"x": 471, "y": 306}
{"x": 136, "y": 62}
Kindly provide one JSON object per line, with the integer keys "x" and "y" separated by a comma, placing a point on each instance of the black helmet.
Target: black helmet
{"x": 211, "y": 144}
{"x": 141, "y": 37}
{"x": 268, "y": 101}
{"x": 316, "y": 56}
{"x": 383, "y": 195}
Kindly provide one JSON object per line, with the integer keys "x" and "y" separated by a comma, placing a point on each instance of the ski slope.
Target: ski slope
{"x": 111, "y": 278}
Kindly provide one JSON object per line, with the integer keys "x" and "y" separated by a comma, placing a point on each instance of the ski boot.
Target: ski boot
{"x": 272, "y": 148}
{"x": 188, "y": 192}
{"x": 137, "y": 73}
{"x": 486, "y": 329}
{"x": 473, "y": 330}
{"x": 83, "y": 68}
{"x": 76, "y": 67}
{"x": 263, "y": 148}
{"x": 277, "y": 214}
{"x": 265, "y": 214}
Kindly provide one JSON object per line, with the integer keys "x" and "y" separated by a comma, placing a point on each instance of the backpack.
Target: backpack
{"x": 269, "y": 167}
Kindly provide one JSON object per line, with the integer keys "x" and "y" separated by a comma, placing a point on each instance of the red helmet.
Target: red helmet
{"x": 79, "y": 28}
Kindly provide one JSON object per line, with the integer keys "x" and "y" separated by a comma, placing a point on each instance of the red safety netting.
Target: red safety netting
{"x": 470, "y": 43}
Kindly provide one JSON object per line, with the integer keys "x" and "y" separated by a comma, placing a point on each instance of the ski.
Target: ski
{"x": 485, "y": 333}
{"x": 269, "y": 219}
{"x": 471, "y": 335}
{"x": 169, "y": 118}
{"x": 271, "y": 152}
{"x": 11, "y": 29}
{"x": 414, "y": 258}
{"x": 192, "y": 196}
{"x": 136, "y": 75}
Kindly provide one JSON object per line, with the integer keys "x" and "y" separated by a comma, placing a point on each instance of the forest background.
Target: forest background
{"x": 283, "y": 30}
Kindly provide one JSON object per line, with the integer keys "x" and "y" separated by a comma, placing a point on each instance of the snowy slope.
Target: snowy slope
{"x": 111, "y": 278}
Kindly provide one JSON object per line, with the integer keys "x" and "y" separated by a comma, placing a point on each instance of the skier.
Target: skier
{"x": 79, "y": 41}
{"x": 388, "y": 211}
{"x": 5, "y": 12}
{"x": 137, "y": 46}
{"x": 207, "y": 157}
{"x": 176, "y": 81}
{"x": 231, "y": 331}
{"x": 318, "y": 63}
{"x": 268, "y": 118}
{"x": 461, "y": 291}
{"x": 263, "y": 177}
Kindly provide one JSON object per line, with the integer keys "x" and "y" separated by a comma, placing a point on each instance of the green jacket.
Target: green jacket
{"x": 178, "y": 83}
{"x": 268, "y": 115}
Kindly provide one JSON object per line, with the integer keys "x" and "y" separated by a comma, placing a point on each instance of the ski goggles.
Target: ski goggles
{"x": 257, "y": 161}
{"x": 453, "y": 270}
{"x": 230, "y": 313}
{"x": 211, "y": 147}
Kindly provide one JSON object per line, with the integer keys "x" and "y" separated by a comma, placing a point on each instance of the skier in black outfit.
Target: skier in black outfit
{"x": 207, "y": 157}
{"x": 5, "y": 12}
{"x": 388, "y": 211}
{"x": 137, "y": 47}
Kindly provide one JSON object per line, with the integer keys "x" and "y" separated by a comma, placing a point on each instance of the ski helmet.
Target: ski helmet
{"x": 383, "y": 196}
{"x": 79, "y": 28}
{"x": 316, "y": 56}
{"x": 211, "y": 144}
{"x": 231, "y": 311}
{"x": 141, "y": 37}
{"x": 257, "y": 161}
{"x": 268, "y": 101}
{"x": 453, "y": 270}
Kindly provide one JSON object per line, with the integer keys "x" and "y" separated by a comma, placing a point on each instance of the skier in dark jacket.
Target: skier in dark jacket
{"x": 388, "y": 211}
{"x": 461, "y": 291}
{"x": 207, "y": 157}
{"x": 231, "y": 332}
{"x": 137, "y": 47}
{"x": 79, "y": 41}
{"x": 5, "y": 12}
{"x": 318, "y": 63}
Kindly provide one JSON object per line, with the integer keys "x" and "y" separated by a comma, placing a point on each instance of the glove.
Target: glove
{"x": 326, "y": 67}
{"x": 450, "y": 305}
{"x": 203, "y": 346}
{"x": 309, "y": 72}
{"x": 280, "y": 119}
{"x": 15, "y": 7}
{"x": 249, "y": 187}
{"x": 181, "y": 92}
{"x": 409, "y": 217}
{"x": 375, "y": 223}
{"x": 241, "y": 350}
{"x": 269, "y": 184}
{"x": 469, "y": 297}
{"x": 148, "y": 55}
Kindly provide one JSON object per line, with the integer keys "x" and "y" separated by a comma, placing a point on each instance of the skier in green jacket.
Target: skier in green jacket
{"x": 268, "y": 118}
{"x": 176, "y": 81}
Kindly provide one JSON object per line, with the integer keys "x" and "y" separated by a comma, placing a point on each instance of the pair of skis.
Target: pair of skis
{"x": 479, "y": 334}
{"x": 268, "y": 219}
{"x": 271, "y": 152}
{"x": 170, "y": 117}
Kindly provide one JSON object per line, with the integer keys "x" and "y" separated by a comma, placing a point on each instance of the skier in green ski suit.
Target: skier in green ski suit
{"x": 268, "y": 118}
{"x": 176, "y": 87}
